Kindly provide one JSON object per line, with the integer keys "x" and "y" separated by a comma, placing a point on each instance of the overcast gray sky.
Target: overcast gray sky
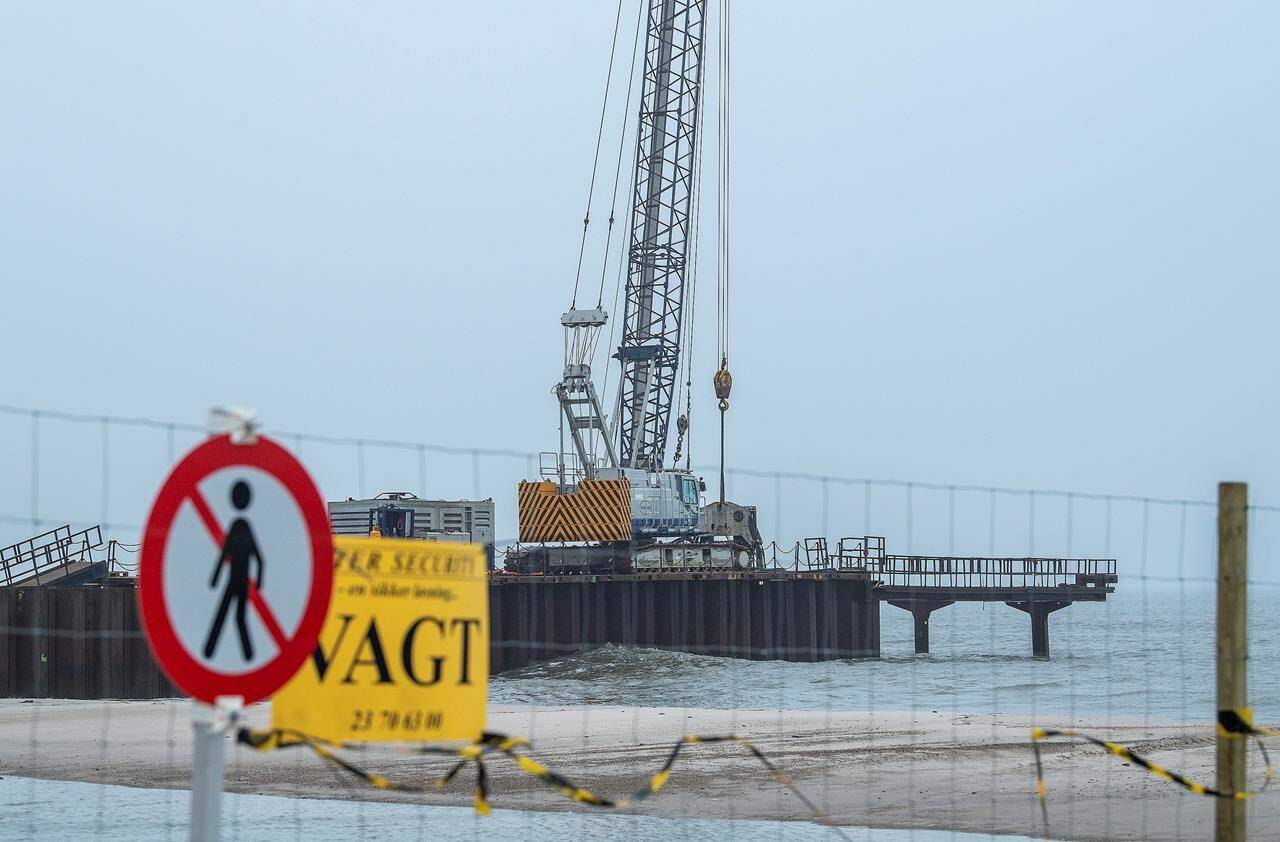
{"x": 1008, "y": 243}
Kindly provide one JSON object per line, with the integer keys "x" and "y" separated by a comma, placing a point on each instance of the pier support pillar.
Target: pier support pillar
{"x": 920, "y": 610}
{"x": 1039, "y": 612}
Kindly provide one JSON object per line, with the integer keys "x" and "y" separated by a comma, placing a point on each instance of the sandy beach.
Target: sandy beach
{"x": 930, "y": 770}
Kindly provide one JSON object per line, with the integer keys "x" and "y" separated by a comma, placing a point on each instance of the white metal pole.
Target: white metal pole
{"x": 206, "y": 773}
{"x": 210, "y": 724}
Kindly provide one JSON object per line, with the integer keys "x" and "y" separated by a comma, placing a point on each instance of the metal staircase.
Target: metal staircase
{"x": 58, "y": 557}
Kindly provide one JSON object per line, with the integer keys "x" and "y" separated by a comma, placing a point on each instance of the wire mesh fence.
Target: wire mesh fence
{"x": 935, "y": 745}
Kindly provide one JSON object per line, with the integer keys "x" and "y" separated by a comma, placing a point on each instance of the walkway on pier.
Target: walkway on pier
{"x": 815, "y": 605}
{"x": 923, "y": 584}
{"x": 1038, "y": 586}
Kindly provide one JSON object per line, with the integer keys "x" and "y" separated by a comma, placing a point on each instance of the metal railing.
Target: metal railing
{"x": 866, "y": 554}
{"x": 46, "y": 557}
{"x": 975, "y": 572}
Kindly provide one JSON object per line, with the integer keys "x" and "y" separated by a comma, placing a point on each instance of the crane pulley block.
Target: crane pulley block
{"x": 595, "y": 317}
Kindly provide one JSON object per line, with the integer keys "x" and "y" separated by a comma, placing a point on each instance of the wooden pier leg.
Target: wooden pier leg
{"x": 920, "y": 610}
{"x": 1039, "y": 612}
{"x": 1233, "y": 568}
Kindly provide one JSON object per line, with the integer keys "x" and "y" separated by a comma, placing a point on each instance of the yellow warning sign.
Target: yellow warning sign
{"x": 404, "y": 653}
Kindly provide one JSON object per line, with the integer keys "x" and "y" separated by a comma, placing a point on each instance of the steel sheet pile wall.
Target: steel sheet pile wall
{"x": 87, "y": 643}
{"x": 782, "y": 617}
{"x": 76, "y": 643}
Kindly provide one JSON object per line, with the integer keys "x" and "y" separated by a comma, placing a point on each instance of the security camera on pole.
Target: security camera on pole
{"x": 234, "y": 584}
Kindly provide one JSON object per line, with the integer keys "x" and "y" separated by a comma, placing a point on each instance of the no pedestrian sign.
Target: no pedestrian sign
{"x": 236, "y": 570}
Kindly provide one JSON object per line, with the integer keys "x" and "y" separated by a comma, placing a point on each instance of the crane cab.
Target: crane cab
{"x": 664, "y": 503}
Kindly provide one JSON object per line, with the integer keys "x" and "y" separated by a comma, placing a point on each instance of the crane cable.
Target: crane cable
{"x": 685, "y": 389}
{"x": 622, "y": 139}
{"x": 622, "y": 252}
{"x": 722, "y": 186}
{"x": 584, "y": 342}
{"x": 595, "y": 161}
{"x": 722, "y": 381}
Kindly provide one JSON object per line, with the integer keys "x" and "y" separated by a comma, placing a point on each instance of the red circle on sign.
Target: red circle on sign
{"x": 185, "y": 669}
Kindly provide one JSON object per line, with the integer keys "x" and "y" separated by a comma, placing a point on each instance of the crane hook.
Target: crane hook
{"x": 724, "y": 383}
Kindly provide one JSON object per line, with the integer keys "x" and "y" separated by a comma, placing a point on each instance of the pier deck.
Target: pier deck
{"x": 1037, "y": 586}
{"x": 824, "y": 606}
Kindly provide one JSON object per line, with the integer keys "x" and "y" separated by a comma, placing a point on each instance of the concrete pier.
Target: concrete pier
{"x": 920, "y": 610}
{"x": 1039, "y": 612}
{"x": 1037, "y": 586}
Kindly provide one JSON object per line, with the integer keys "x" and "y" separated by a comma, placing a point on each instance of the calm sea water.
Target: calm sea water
{"x": 1144, "y": 653}
{"x": 56, "y": 810}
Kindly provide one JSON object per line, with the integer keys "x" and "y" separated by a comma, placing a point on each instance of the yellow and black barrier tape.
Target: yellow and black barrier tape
{"x": 276, "y": 738}
{"x": 1238, "y": 722}
{"x": 511, "y": 747}
{"x": 1230, "y": 722}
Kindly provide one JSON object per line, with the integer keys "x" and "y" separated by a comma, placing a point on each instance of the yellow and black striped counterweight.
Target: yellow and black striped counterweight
{"x": 597, "y": 510}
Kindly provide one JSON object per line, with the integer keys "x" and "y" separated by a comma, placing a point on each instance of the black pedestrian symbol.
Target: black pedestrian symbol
{"x": 236, "y": 552}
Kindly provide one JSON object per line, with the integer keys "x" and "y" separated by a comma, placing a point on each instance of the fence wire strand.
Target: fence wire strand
{"x": 928, "y": 740}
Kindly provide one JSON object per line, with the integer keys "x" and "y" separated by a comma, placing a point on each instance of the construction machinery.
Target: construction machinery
{"x": 402, "y": 514}
{"x": 610, "y": 498}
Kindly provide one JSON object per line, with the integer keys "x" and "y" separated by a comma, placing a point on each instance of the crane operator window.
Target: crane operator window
{"x": 689, "y": 491}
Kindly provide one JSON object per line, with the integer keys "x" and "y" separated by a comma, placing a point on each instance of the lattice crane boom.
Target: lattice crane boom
{"x": 649, "y": 353}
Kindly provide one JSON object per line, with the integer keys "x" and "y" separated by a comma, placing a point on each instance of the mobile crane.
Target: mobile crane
{"x": 609, "y": 499}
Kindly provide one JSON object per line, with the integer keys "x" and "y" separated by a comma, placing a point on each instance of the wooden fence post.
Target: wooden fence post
{"x": 1233, "y": 570}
